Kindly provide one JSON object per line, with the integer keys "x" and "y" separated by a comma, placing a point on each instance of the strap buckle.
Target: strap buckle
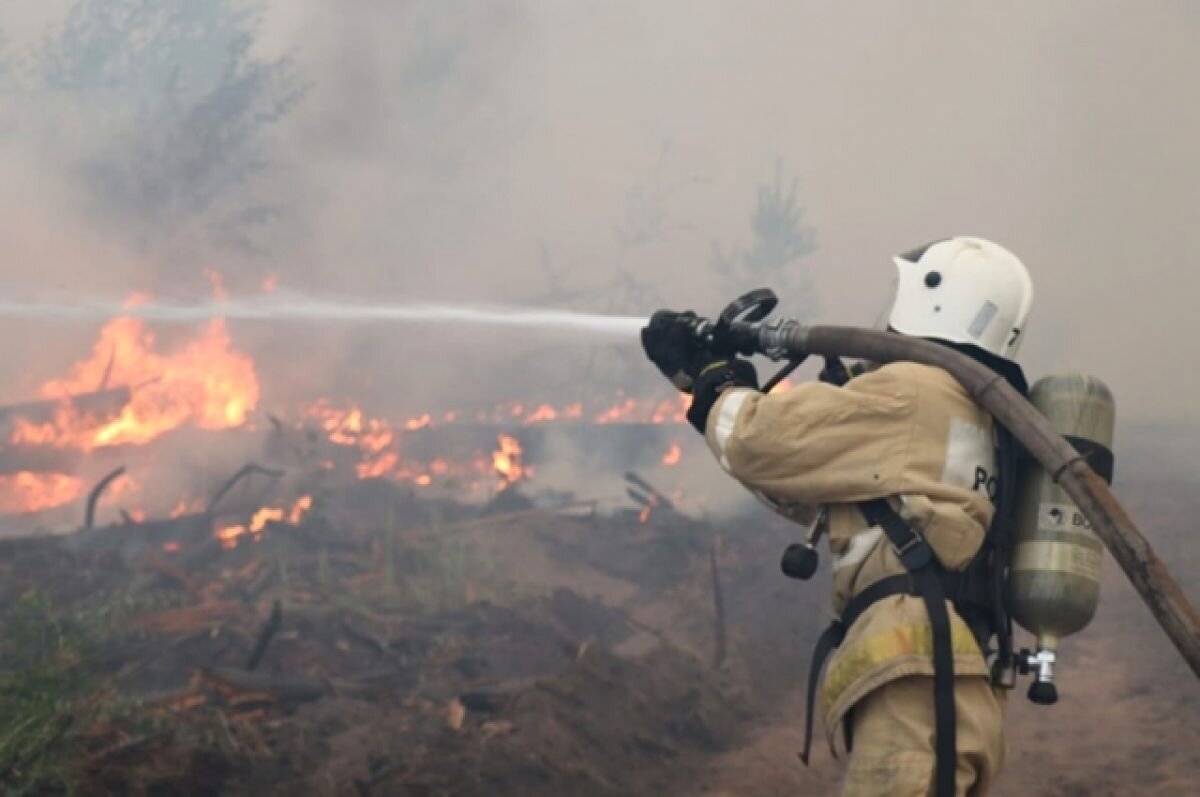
{"x": 915, "y": 554}
{"x": 1004, "y": 673}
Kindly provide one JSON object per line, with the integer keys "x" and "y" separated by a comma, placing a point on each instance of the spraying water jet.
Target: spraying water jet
{"x": 301, "y": 308}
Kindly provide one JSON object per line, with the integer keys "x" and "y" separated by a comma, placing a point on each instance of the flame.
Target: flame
{"x": 618, "y": 413}
{"x": 542, "y": 414}
{"x": 300, "y": 509}
{"x": 26, "y": 492}
{"x": 507, "y": 461}
{"x": 205, "y": 383}
{"x": 673, "y": 455}
{"x": 420, "y": 422}
{"x": 230, "y": 536}
{"x": 349, "y": 426}
{"x": 672, "y": 411}
{"x": 186, "y": 506}
{"x": 270, "y": 283}
{"x": 377, "y": 467}
{"x": 378, "y": 442}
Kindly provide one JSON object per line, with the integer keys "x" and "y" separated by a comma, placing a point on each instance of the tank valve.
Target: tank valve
{"x": 1042, "y": 691}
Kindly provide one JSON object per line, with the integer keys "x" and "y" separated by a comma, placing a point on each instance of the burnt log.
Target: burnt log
{"x": 130, "y": 541}
{"x": 287, "y": 688}
{"x": 101, "y": 405}
{"x": 269, "y": 629}
{"x": 89, "y": 518}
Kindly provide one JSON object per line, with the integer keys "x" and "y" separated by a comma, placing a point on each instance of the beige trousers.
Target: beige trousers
{"x": 894, "y": 734}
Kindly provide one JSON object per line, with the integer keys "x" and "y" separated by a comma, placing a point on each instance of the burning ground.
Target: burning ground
{"x": 200, "y": 595}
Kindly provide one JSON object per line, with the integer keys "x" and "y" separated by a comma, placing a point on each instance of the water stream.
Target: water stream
{"x": 295, "y": 307}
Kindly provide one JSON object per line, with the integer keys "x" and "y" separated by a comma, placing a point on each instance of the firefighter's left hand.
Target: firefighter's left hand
{"x": 672, "y": 345}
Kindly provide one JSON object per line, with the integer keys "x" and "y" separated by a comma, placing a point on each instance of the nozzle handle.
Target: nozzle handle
{"x": 800, "y": 561}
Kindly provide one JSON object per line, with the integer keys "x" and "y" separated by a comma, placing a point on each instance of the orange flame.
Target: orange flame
{"x": 673, "y": 411}
{"x": 376, "y": 467}
{"x": 186, "y": 507}
{"x": 206, "y": 384}
{"x": 350, "y": 427}
{"x": 300, "y": 509}
{"x": 542, "y": 414}
{"x": 673, "y": 455}
{"x": 230, "y": 536}
{"x": 621, "y": 412}
{"x": 25, "y": 492}
{"x": 507, "y": 461}
{"x": 420, "y": 422}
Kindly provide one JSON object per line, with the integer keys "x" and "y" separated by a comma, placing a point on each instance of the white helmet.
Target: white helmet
{"x": 963, "y": 290}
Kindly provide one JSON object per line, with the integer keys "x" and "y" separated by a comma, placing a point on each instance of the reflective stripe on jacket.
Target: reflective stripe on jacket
{"x": 904, "y": 431}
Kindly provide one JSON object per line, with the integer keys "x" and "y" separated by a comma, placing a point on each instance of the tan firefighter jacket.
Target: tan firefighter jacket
{"x": 904, "y": 431}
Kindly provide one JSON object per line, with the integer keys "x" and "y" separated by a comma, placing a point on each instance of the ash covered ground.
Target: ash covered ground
{"x": 388, "y": 642}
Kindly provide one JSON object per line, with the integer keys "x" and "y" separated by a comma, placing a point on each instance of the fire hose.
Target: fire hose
{"x": 743, "y": 329}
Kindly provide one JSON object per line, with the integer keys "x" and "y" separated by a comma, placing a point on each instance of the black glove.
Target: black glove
{"x": 712, "y": 381}
{"x": 672, "y": 345}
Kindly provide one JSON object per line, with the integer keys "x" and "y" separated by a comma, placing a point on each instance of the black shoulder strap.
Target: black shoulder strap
{"x": 923, "y": 579}
{"x": 918, "y": 559}
{"x": 832, "y": 637}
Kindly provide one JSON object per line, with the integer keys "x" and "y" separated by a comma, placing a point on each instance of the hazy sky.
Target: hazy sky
{"x": 449, "y": 149}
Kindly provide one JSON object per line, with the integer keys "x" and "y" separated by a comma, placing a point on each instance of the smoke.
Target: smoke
{"x": 594, "y": 156}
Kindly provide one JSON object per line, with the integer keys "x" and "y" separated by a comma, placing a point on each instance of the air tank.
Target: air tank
{"x": 1054, "y": 574}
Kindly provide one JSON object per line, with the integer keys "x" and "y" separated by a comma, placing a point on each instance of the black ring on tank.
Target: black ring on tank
{"x": 1100, "y": 457}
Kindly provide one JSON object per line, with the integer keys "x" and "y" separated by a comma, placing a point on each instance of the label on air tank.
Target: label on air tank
{"x": 1062, "y": 517}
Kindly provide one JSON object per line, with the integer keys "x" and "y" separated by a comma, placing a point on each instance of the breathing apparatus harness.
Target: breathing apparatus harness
{"x": 978, "y": 595}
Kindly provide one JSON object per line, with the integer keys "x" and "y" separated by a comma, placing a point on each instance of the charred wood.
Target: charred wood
{"x": 650, "y": 495}
{"x": 269, "y": 629}
{"x": 100, "y": 405}
{"x": 89, "y": 517}
{"x": 288, "y": 688}
{"x": 233, "y": 480}
{"x": 719, "y": 632}
{"x": 130, "y": 541}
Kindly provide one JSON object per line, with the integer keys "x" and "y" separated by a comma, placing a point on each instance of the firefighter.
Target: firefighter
{"x": 904, "y": 470}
